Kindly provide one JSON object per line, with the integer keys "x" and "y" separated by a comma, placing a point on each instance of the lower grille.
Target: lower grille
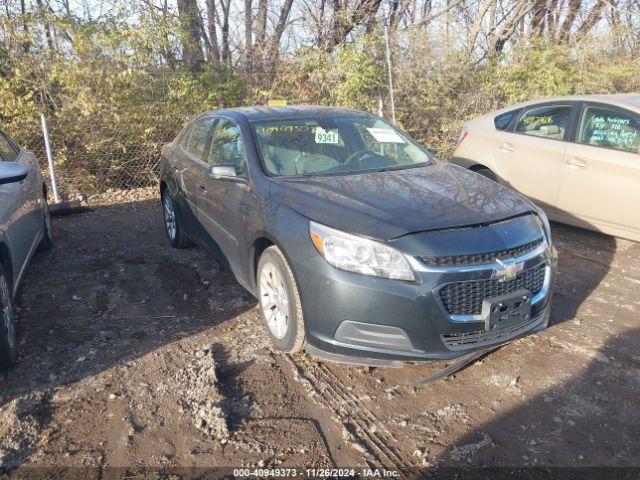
{"x": 465, "y": 298}
{"x": 479, "y": 338}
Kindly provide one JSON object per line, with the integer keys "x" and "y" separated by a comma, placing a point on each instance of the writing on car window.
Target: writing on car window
{"x": 610, "y": 128}
{"x": 550, "y": 121}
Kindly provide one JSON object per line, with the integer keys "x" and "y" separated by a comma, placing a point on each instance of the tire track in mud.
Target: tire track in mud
{"x": 367, "y": 431}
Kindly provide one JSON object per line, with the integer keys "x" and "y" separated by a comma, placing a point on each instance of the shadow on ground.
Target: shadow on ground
{"x": 584, "y": 258}
{"x": 112, "y": 290}
{"x": 578, "y": 419}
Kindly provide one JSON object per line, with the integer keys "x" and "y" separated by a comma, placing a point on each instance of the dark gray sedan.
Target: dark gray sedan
{"x": 358, "y": 243}
{"x": 25, "y": 226}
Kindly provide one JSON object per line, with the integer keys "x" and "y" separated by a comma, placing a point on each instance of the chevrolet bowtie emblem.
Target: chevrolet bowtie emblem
{"x": 508, "y": 269}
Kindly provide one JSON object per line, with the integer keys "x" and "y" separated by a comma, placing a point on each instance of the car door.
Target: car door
{"x": 530, "y": 155}
{"x": 601, "y": 178}
{"x": 188, "y": 164}
{"x": 16, "y": 209}
{"x": 223, "y": 202}
{"x": 34, "y": 190}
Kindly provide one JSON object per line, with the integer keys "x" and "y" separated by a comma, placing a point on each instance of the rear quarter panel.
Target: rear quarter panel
{"x": 478, "y": 147}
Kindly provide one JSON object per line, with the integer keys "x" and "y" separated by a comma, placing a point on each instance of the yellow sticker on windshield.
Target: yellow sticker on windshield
{"x": 326, "y": 136}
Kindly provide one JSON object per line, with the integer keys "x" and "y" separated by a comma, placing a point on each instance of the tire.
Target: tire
{"x": 485, "y": 172}
{"x": 173, "y": 225}
{"x": 8, "y": 330}
{"x": 278, "y": 293}
{"x": 46, "y": 243}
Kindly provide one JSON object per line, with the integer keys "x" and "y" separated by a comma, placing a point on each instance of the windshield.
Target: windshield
{"x": 332, "y": 146}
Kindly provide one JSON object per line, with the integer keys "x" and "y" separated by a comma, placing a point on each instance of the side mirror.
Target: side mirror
{"x": 12, "y": 172}
{"x": 432, "y": 151}
{"x": 225, "y": 170}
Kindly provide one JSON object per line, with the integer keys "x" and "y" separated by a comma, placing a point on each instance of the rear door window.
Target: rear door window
{"x": 549, "y": 121}
{"x": 503, "y": 121}
{"x": 8, "y": 152}
{"x": 610, "y": 127}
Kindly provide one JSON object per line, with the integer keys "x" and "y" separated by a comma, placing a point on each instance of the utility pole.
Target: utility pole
{"x": 47, "y": 145}
{"x": 387, "y": 19}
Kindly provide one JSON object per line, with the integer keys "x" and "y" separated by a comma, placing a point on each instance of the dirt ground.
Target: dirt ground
{"x": 137, "y": 355}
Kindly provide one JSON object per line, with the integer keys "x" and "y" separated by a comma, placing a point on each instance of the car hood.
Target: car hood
{"x": 387, "y": 205}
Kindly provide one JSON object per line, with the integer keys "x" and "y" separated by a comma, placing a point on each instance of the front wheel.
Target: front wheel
{"x": 280, "y": 301}
{"x": 8, "y": 334}
{"x": 173, "y": 226}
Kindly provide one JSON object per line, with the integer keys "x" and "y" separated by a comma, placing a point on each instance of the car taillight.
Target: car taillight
{"x": 463, "y": 135}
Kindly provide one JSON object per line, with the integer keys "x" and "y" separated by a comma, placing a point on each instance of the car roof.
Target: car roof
{"x": 258, "y": 113}
{"x": 620, "y": 100}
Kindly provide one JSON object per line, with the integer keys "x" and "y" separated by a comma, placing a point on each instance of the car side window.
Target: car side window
{"x": 610, "y": 128}
{"x": 503, "y": 120}
{"x": 198, "y": 137}
{"x": 184, "y": 141}
{"x": 8, "y": 152}
{"x": 550, "y": 121}
{"x": 227, "y": 146}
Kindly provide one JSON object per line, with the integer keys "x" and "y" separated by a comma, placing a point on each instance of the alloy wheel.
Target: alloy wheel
{"x": 7, "y": 317}
{"x": 169, "y": 217}
{"x": 274, "y": 300}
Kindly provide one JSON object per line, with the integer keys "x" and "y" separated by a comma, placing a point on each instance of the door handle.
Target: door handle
{"x": 576, "y": 163}
{"x": 506, "y": 147}
{"x": 203, "y": 189}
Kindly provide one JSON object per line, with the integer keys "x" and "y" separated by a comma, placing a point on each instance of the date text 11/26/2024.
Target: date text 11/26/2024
{"x": 315, "y": 472}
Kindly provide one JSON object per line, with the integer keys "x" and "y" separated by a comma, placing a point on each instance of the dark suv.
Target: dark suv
{"x": 357, "y": 242}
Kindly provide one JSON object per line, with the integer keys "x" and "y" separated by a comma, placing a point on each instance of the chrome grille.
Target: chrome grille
{"x": 465, "y": 298}
{"x": 481, "y": 258}
{"x": 463, "y": 341}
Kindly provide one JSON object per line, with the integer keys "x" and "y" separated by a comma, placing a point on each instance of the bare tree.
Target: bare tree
{"x": 248, "y": 35}
{"x": 346, "y": 17}
{"x": 225, "y": 6}
{"x": 214, "y": 48}
{"x": 191, "y": 34}
{"x": 25, "y": 26}
{"x": 565, "y": 30}
{"x": 274, "y": 44}
{"x": 42, "y": 13}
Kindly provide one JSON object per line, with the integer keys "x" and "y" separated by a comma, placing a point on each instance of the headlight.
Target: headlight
{"x": 360, "y": 255}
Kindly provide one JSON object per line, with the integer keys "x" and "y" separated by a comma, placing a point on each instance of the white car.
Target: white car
{"x": 25, "y": 226}
{"x": 577, "y": 156}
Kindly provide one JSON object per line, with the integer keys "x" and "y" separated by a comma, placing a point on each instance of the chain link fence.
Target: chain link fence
{"x": 98, "y": 154}
{"x": 120, "y": 150}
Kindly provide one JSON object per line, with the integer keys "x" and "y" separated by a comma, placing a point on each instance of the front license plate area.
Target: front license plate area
{"x": 507, "y": 310}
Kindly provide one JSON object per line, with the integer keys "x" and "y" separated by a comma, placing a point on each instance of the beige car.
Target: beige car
{"x": 576, "y": 156}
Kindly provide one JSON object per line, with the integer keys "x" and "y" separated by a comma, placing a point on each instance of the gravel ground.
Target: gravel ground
{"x": 140, "y": 356}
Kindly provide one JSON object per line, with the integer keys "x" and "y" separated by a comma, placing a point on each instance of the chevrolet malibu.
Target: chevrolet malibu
{"x": 359, "y": 245}
{"x": 25, "y": 226}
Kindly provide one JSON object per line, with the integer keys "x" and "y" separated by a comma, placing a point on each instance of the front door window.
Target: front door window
{"x": 198, "y": 137}
{"x": 227, "y": 147}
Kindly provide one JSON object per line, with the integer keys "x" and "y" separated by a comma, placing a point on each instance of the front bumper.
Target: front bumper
{"x": 357, "y": 316}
